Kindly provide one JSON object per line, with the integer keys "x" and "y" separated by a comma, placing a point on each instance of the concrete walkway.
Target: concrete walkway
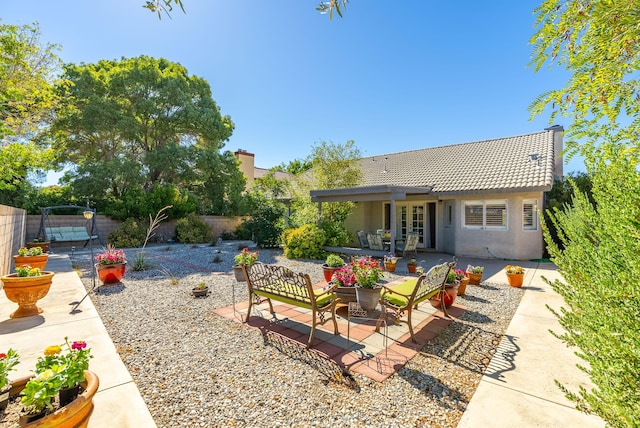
{"x": 118, "y": 402}
{"x": 518, "y": 388}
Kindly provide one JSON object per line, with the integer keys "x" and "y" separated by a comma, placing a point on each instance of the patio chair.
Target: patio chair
{"x": 362, "y": 237}
{"x": 375, "y": 241}
{"x": 406, "y": 296}
{"x": 409, "y": 245}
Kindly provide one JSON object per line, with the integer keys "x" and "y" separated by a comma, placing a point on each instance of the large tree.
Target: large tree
{"x": 140, "y": 123}
{"x": 598, "y": 44}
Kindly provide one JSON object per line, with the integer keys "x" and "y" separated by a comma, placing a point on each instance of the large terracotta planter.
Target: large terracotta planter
{"x": 75, "y": 414}
{"x": 111, "y": 274}
{"x": 474, "y": 278}
{"x": 451, "y": 291}
{"x": 39, "y": 262}
{"x": 368, "y": 298}
{"x": 26, "y": 291}
{"x": 43, "y": 245}
{"x": 463, "y": 286}
{"x": 515, "y": 279}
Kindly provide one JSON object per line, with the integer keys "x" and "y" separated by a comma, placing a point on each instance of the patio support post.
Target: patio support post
{"x": 392, "y": 221}
{"x": 319, "y": 214}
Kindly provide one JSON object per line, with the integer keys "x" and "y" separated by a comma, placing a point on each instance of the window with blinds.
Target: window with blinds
{"x": 530, "y": 214}
{"x": 485, "y": 214}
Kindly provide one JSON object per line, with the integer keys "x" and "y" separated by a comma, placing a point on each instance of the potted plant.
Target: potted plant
{"x": 57, "y": 373}
{"x": 345, "y": 281}
{"x": 39, "y": 242}
{"x": 245, "y": 257}
{"x": 515, "y": 275}
{"x": 7, "y": 363}
{"x": 111, "y": 265}
{"x": 26, "y": 287}
{"x": 390, "y": 261}
{"x": 411, "y": 266}
{"x": 451, "y": 287}
{"x": 461, "y": 276}
{"x": 200, "y": 290}
{"x": 367, "y": 273}
{"x": 332, "y": 263}
{"x": 475, "y": 274}
{"x": 33, "y": 257}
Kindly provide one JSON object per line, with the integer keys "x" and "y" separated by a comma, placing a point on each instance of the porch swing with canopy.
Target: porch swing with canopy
{"x": 68, "y": 233}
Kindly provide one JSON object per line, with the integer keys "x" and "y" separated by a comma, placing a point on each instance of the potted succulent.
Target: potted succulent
{"x": 7, "y": 363}
{"x": 332, "y": 263}
{"x": 451, "y": 287}
{"x": 368, "y": 274}
{"x": 515, "y": 275}
{"x": 200, "y": 290}
{"x": 461, "y": 276}
{"x": 390, "y": 261}
{"x": 33, "y": 257}
{"x": 26, "y": 287}
{"x": 245, "y": 257}
{"x": 39, "y": 242}
{"x": 111, "y": 265}
{"x": 411, "y": 266}
{"x": 475, "y": 274}
{"x": 57, "y": 374}
{"x": 345, "y": 281}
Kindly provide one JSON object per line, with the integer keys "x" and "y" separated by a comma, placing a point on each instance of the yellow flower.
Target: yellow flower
{"x": 52, "y": 350}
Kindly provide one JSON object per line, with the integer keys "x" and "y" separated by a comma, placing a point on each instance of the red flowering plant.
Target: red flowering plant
{"x": 344, "y": 277}
{"x": 111, "y": 256}
{"x": 246, "y": 257}
{"x": 460, "y": 274}
{"x": 367, "y": 272}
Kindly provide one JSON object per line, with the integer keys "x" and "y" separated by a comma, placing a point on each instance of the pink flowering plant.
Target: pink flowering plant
{"x": 7, "y": 363}
{"x": 344, "y": 277}
{"x": 460, "y": 274}
{"x": 111, "y": 256}
{"x": 367, "y": 271}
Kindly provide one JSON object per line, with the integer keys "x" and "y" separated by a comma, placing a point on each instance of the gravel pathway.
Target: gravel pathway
{"x": 194, "y": 368}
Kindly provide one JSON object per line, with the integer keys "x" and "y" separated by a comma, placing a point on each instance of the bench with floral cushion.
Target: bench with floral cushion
{"x": 273, "y": 282}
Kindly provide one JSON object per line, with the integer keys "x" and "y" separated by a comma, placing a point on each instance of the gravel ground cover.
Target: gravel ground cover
{"x": 194, "y": 368}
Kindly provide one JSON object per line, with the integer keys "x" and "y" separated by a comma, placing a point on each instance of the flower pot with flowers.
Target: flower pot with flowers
{"x": 332, "y": 263}
{"x": 515, "y": 275}
{"x": 64, "y": 375}
{"x": 7, "y": 363}
{"x": 368, "y": 274}
{"x": 33, "y": 257}
{"x": 26, "y": 287}
{"x": 451, "y": 287}
{"x": 345, "y": 281}
{"x": 390, "y": 261}
{"x": 244, "y": 258}
{"x": 412, "y": 265}
{"x": 475, "y": 274}
{"x": 462, "y": 276}
{"x": 39, "y": 242}
{"x": 111, "y": 265}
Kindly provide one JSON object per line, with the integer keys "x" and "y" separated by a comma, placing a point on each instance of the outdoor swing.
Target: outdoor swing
{"x": 67, "y": 233}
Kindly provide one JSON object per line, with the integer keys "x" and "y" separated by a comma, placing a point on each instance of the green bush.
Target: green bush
{"x": 304, "y": 242}
{"x": 193, "y": 230}
{"x": 130, "y": 234}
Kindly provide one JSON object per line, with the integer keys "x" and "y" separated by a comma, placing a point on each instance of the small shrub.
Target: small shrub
{"x": 304, "y": 242}
{"x": 140, "y": 263}
{"x": 227, "y": 235}
{"x": 217, "y": 259}
{"x": 193, "y": 230}
{"x": 130, "y": 234}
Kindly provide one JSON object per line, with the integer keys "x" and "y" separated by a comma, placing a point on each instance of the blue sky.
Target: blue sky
{"x": 392, "y": 76}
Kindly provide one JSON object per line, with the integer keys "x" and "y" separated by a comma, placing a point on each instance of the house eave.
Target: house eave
{"x": 368, "y": 193}
{"x": 493, "y": 191}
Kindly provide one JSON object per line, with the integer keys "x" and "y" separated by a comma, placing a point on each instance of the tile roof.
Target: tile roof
{"x": 500, "y": 164}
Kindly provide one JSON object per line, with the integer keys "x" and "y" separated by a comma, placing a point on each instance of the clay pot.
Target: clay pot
{"x": 390, "y": 267}
{"x": 26, "y": 291}
{"x": 412, "y": 268}
{"x": 463, "y": 286}
{"x": 75, "y": 414}
{"x": 368, "y": 298}
{"x": 237, "y": 271}
{"x": 515, "y": 279}
{"x": 328, "y": 271}
{"x": 39, "y": 262}
{"x": 200, "y": 292}
{"x": 43, "y": 245}
{"x": 346, "y": 294}
{"x": 451, "y": 291}
{"x": 474, "y": 278}
{"x": 111, "y": 274}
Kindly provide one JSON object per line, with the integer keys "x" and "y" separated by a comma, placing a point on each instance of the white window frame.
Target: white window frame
{"x": 534, "y": 215}
{"x": 484, "y": 225}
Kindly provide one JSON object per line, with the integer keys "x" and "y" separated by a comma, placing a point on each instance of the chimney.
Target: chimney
{"x": 246, "y": 165}
{"x": 558, "y": 133}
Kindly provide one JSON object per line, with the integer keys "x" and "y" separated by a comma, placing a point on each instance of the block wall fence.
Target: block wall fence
{"x": 12, "y": 230}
